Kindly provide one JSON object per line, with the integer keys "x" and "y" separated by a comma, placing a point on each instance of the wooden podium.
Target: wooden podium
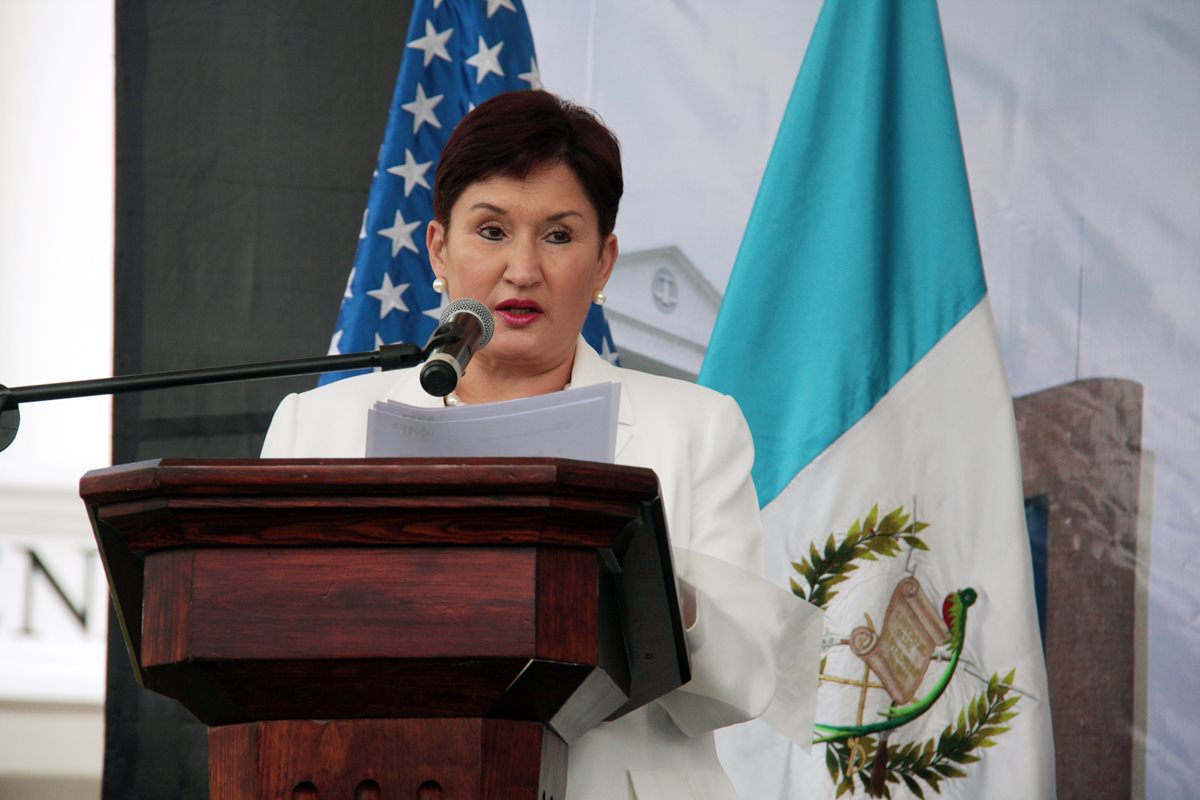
{"x": 391, "y": 628}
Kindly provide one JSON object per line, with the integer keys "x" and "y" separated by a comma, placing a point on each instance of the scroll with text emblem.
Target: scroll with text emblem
{"x": 899, "y": 654}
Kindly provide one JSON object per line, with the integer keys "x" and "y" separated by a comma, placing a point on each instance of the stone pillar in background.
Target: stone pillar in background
{"x": 1081, "y": 455}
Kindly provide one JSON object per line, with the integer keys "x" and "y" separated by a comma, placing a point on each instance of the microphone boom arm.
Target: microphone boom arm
{"x": 387, "y": 357}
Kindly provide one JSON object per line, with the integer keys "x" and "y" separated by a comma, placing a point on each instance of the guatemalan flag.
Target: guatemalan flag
{"x": 458, "y": 54}
{"x": 857, "y": 336}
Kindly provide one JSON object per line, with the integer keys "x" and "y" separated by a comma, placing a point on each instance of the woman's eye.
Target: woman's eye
{"x": 491, "y": 232}
{"x": 559, "y": 237}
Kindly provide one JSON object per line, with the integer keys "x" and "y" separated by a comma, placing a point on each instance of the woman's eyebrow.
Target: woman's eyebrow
{"x": 556, "y": 217}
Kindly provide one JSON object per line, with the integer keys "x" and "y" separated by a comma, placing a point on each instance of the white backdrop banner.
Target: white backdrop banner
{"x": 1078, "y": 127}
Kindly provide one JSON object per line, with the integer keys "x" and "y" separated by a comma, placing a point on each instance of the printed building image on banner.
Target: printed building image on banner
{"x": 1082, "y": 463}
{"x": 661, "y": 310}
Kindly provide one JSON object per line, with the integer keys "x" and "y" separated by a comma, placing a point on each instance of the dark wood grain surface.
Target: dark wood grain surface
{"x": 457, "y": 619}
{"x": 463, "y": 758}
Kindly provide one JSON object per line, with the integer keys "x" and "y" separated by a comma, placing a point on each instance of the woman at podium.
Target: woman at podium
{"x": 525, "y": 202}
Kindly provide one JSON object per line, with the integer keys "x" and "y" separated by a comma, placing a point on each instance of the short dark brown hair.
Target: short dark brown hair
{"x": 515, "y": 133}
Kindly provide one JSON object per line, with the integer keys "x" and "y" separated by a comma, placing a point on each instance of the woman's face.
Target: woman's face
{"x": 530, "y": 250}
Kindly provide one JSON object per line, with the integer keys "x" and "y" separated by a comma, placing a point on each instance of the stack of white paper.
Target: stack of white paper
{"x": 574, "y": 423}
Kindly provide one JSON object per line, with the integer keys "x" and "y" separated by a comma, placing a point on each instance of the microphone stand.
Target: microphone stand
{"x": 388, "y": 357}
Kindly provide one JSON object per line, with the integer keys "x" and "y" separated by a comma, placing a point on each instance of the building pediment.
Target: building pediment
{"x": 661, "y": 310}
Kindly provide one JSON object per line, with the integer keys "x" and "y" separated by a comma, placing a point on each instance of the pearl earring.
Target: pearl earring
{"x": 439, "y": 285}
{"x": 598, "y": 297}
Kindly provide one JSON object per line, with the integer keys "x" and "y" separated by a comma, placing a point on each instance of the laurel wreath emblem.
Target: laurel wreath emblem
{"x": 919, "y": 766}
{"x": 939, "y": 758}
{"x": 866, "y": 540}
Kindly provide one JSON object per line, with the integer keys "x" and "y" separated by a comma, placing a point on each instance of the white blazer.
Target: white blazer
{"x": 697, "y": 442}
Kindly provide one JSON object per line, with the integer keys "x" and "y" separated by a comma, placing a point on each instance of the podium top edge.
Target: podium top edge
{"x": 362, "y": 476}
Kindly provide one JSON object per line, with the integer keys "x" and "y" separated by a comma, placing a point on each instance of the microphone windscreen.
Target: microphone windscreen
{"x": 477, "y": 310}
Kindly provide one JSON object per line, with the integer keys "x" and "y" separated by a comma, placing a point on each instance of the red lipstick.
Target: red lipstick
{"x": 519, "y": 312}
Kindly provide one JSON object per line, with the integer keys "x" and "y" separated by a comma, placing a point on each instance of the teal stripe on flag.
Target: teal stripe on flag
{"x": 861, "y": 250}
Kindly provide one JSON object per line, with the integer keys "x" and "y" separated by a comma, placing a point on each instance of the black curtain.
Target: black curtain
{"x": 247, "y": 133}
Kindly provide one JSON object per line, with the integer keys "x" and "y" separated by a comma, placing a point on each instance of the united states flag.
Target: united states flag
{"x": 459, "y": 53}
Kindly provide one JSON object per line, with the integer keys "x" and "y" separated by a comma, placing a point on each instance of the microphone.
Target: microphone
{"x": 470, "y": 324}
